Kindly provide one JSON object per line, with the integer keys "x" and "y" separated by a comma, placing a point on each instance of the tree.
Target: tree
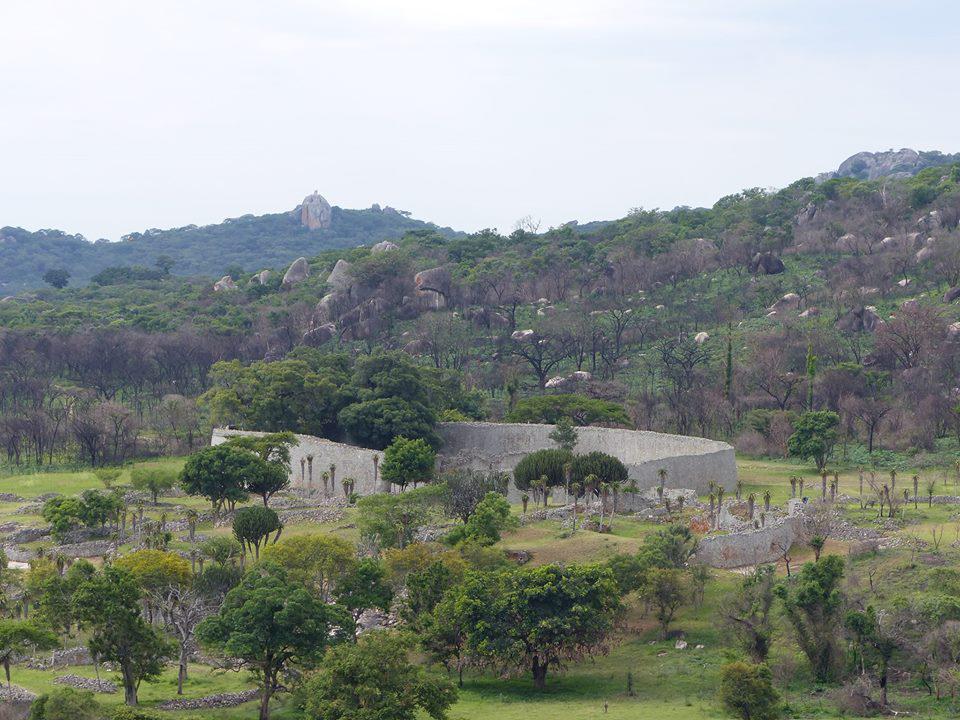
{"x": 391, "y": 520}
{"x": 375, "y": 679}
{"x": 155, "y": 569}
{"x": 877, "y": 638}
{"x": 814, "y": 436}
{"x": 606, "y": 468}
{"x": 364, "y": 588}
{"x": 443, "y": 634}
{"x": 57, "y": 278}
{"x": 408, "y": 461}
{"x": 466, "y": 488}
{"x": 375, "y": 423}
{"x": 667, "y": 589}
{"x": 274, "y": 450}
{"x": 109, "y": 604}
{"x": 747, "y": 612}
{"x": 549, "y": 463}
{"x": 578, "y": 409}
{"x": 491, "y": 517}
{"x": 221, "y": 474}
{"x": 18, "y": 637}
{"x": 271, "y": 625}
{"x": 153, "y": 480}
{"x": 542, "y": 350}
{"x": 747, "y": 691}
{"x": 538, "y": 618}
{"x": 182, "y": 609}
{"x": 564, "y": 435}
{"x": 813, "y": 602}
{"x": 64, "y": 514}
{"x": 318, "y": 562}
{"x": 252, "y": 527}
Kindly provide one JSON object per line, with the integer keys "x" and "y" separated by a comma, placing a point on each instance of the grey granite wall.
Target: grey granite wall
{"x": 690, "y": 462}
{"x": 751, "y": 547}
{"x": 354, "y": 462}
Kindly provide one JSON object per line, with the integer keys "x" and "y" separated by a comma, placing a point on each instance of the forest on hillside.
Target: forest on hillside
{"x": 729, "y": 322}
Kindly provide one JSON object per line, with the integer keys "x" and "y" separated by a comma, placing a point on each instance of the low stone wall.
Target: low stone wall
{"x": 690, "y": 462}
{"x": 751, "y": 547}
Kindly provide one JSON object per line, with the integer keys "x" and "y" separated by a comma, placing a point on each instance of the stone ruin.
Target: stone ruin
{"x": 690, "y": 462}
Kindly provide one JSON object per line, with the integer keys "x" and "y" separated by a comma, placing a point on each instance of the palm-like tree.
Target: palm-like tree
{"x": 766, "y": 500}
{"x": 751, "y": 502}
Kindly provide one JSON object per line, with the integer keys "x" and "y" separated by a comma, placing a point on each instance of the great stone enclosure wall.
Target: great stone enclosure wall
{"x": 690, "y": 462}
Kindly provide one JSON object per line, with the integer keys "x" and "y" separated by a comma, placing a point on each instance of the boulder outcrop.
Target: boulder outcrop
{"x": 297, "y": 272}
{"x": 319, "y": 335}
{"x": 766, "y": 263}
{"x": 384, "y": 246}
{"x": 315, "y": 212}
{"x": 863, "y": 319}
{"x": 224, "y": 283}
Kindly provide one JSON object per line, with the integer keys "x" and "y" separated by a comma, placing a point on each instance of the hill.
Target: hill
{"x": 249, "y": 242}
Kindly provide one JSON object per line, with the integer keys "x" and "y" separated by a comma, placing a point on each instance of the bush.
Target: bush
{"x": 578, "y": 409}
{"x": 491, "y": 517}
{"x": 747, "y": 691}
{"x": 542, "y": 462}
{"x": 607, "y": 468}
{"x": 65, "y": 704}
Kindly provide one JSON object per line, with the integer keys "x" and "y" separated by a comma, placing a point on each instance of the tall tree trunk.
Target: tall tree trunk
{"x": 129, "y": 686}
{"x": 539, "y": 674}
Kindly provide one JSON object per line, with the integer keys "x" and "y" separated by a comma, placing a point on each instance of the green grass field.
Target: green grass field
{"x": 666, "y": 682}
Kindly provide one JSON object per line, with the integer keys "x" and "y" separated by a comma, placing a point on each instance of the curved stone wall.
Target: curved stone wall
{"x": 690, "y": 462}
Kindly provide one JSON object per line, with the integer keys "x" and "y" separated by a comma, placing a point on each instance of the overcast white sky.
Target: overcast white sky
{"x": 119, "y": 116}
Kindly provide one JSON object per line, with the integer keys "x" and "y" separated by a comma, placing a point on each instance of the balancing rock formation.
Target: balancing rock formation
{"x": 315, "y": 212}
{"x": 690, "y": 462}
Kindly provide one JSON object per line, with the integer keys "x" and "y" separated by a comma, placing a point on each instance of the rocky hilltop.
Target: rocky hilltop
{"x": 891, "y": 163}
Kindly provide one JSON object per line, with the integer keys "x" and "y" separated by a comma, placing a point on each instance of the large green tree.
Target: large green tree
{"x": 813, "y": 602}
{"x": 814, "y": 435}
{"x": 109, "y": 605}
{"x": 221, "y": 474}
{"x": 408, "y": 461}
{"x": 375, "y": 680}
{"x": 253, "y": 526}
{"x": 21, "y": 636}
{"x": 271, "y": 625}
{"x": 538, "y": 618}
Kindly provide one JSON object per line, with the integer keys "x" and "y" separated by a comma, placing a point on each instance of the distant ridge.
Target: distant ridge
{"x": 252, "y": 242}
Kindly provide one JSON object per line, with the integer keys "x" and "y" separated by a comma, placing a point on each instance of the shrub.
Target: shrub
{"x": 491, "y": 517}
{"x": 747, "y": 691}
{"x": 578, "y": 409}
{"x": 607, "y": 468}
{"x": 65, "y": 704}
{"x": 542, "y": 462}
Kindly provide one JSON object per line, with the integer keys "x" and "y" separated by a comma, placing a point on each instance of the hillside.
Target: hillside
{"x": 249, "y": 242}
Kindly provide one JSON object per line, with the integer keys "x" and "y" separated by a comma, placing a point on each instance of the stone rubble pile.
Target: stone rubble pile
{"x": 222, "y": 700}
{"x": 84, "y": 683}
